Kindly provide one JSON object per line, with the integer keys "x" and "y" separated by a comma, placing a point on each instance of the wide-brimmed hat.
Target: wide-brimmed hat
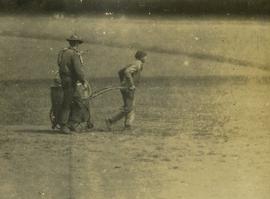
{"x": 75, "y": 37}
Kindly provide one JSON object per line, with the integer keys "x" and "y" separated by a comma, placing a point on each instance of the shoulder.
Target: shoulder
{"x": 65, "y": 51}
{"x": 62, "y": 50}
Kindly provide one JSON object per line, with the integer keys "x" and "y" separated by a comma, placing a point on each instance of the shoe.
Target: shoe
{"x": 75, "y": 128}
{"x": 130, "y": 129}
{"x": 127, "y": 128}
{"x": 89, "y": 125}
{"x": 108, "y": 124}
{"x": 65, "y": 130}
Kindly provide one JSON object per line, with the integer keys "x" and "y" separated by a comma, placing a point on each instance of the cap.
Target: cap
{"x": 140, "y": 54}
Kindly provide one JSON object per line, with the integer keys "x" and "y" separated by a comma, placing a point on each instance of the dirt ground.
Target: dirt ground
{"x": 213, "y": 142}
{"x": 201, "y": 131}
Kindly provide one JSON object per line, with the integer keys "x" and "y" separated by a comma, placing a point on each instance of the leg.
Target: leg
{"x": 129, "y": 109}
{"x": 120, "y": 114}
{"x": 117, "y": 117}
{"x": 87, "y": 115}
{"x": 75, "y": 117}
{"x": 129, "y": 119}
{"x": 66, "y": 105}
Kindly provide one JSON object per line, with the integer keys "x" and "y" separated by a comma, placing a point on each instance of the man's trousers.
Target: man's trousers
{"x": 127, "y": 110}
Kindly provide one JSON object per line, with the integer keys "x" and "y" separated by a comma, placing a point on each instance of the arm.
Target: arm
{"x": 78, "y": 67}
{"x": 128, "y": 73}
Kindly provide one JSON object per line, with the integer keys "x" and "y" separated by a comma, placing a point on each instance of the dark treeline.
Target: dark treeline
{"x": 256, "y": 7}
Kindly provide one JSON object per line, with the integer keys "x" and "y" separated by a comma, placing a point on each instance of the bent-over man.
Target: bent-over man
{"x": 129, "y": 77}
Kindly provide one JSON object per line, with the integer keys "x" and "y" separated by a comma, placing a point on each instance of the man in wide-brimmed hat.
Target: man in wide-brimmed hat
{"x": 73, "y": 109}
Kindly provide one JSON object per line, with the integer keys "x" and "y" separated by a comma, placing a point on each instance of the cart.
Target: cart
{"x": 83, "y": 91}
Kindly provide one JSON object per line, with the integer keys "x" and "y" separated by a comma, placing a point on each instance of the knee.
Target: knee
{"x": 126, "y": 110}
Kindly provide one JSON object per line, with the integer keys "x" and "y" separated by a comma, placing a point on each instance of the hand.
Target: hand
{"x": 132, "y": 88}
{"x": 85, "y": 85}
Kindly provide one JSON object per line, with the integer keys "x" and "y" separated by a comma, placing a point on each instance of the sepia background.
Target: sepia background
{"x": 201, "y": 129}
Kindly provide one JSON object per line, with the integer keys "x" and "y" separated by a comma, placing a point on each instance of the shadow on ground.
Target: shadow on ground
{"x": 39, "y": 131}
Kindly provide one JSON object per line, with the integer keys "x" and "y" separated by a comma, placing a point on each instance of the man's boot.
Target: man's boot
{"x": 75, "y": 127}
{"x": 65, "y": 130}
{"x": 89, "y": 125}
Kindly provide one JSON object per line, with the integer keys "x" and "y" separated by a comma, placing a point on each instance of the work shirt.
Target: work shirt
{"x": 71, "y": 65}
{"x": 131, "y": 74}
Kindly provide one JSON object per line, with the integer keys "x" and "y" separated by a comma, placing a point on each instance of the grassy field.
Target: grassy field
{"x": 176, "y": 46}
{"x": 195, "y": 138}
{"x": 201, "y": 130}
